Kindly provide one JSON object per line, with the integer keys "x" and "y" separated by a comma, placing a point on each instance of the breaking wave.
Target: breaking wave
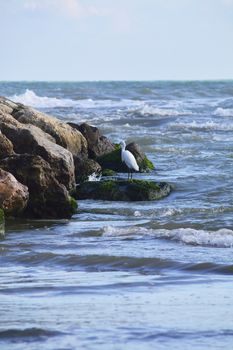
{"x": 224, "y": 112}
{"x": 208, "y": 125}
{"x": 147, "y": 110}
{"x": 30, "y": 98}
{"x": 222, "y": 238}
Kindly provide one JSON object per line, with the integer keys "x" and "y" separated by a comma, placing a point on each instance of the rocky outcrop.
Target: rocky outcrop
{"x": 48, "y": 198}
{"x": 46, "y": 155}
{"x": 32, "y": 140}
{"x": 121, "y": 190}
{"x": 6, "y": 146}
{"x": 113, "y": 161}
{"x": 13, "y": 195}
{"x": 63, "y": 134}
{"x": 98, "y": 145}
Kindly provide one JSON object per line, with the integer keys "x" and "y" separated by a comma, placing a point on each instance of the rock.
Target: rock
{"x": 144, "y": 163}
{"x": 85, "y": 167}
{"x": 108, "y": 172}
{"x": 6, "y": 146}
{"x": 98, "y": 145}
{"x": 113, "y": 160}
{"x": 63, "y": 134}
{"x": 48, "y": 198}
{"x": 13, "y": 195}
{"x": 121, "y": 190}
{"x": 2, "y": 224}
{"x": 32, "y": 140}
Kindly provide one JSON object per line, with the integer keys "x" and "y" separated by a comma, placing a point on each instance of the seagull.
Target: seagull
{"x": 128, "y": 158}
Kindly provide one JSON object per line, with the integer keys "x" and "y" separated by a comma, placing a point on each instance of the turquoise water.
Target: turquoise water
{"x": 131, "y": 275}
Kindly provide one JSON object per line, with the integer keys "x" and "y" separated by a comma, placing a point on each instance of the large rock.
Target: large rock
{"x": 62, "y": 133}
{"x": 48, "y": 198}
{"x": 6, "y": 146}
{"x": 13, "y": 195}
{"x": 98, "y": 145}
{"x": 85, "y": 167}
{"x": 121, "y": 190}
{"x": 113, "y": 160}
{"x": 32, "y": 140}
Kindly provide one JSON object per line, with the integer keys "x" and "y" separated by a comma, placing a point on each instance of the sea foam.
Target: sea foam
{"x": 30, "y": 98}
{"x": 148, "y": 110}
{"x": 224, "y": 112}
{"x": 222, "y": 238}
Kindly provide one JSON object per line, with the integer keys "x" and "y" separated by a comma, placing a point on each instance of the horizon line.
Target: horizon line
{"x": 120, "y": 80}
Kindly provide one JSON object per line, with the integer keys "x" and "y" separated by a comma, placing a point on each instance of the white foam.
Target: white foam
{"x": 224, "y": 112}
{"x": 146, "y": 109}
{"x": 208, "y": 125}
{"x": 94, "y": 177}
{"x": 222, "y": 238}
{"x": 30, "y": 98}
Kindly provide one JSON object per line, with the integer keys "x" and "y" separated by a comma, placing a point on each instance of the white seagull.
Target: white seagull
{"x": 128, "y": 158}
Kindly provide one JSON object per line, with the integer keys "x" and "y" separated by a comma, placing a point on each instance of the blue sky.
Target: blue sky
{"x": 116, "y": 39}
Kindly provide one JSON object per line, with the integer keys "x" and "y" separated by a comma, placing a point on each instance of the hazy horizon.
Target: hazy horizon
{"x": 127, "y": 40}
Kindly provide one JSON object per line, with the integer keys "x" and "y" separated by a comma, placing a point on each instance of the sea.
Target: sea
{"x": 130, "y": 275}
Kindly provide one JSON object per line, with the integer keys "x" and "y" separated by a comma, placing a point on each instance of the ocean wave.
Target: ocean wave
{"x": 222, "y": 238}
{"x": 224, "y": 112}
{"x": 30, "y": 98}
{"x": 148, "y": 110}
{"x": 208, "y": 125}
{"x": 27, "y": 333}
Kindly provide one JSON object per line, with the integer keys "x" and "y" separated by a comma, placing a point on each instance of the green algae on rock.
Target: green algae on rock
{"x": 122, "y": 190}
{"x": 113, "y": 160}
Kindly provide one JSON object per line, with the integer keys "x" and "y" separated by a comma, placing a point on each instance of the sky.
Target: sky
{"x": 116, "y": 40}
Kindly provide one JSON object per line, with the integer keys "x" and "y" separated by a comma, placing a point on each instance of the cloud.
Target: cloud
{"x": 73, "y": 8}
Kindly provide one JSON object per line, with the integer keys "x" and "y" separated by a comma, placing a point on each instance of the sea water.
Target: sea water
{"x": 143, "y": 275}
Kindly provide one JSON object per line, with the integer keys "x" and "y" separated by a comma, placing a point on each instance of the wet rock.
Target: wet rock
{"x": 32, "y": 140}
{"x": 6, "y": 146}
{"x": 48, "y": 198}
{"x": 113, "y": 161}
{"x": 13, "y": 194}
{"x": 121, "y": 190}
{"x": 98, "y": 145}
{"x": 63, "y": 134}
{"x": 85, "y": 167}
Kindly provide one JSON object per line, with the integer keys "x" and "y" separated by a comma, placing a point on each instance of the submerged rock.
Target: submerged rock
{"x": 113, "y": 160}
{"x": 48, "y": 198}
{"x": 122, "y": 190}
{"x": 13, "y": 195}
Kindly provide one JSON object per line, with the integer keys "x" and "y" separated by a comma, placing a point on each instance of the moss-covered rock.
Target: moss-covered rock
{"x": 108, "y": 172}
{"x": 2, "y": 223}
{"x": 122, "y": 190}
{"x": 73, "y": 204}
{"x": 113, "y": 160}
